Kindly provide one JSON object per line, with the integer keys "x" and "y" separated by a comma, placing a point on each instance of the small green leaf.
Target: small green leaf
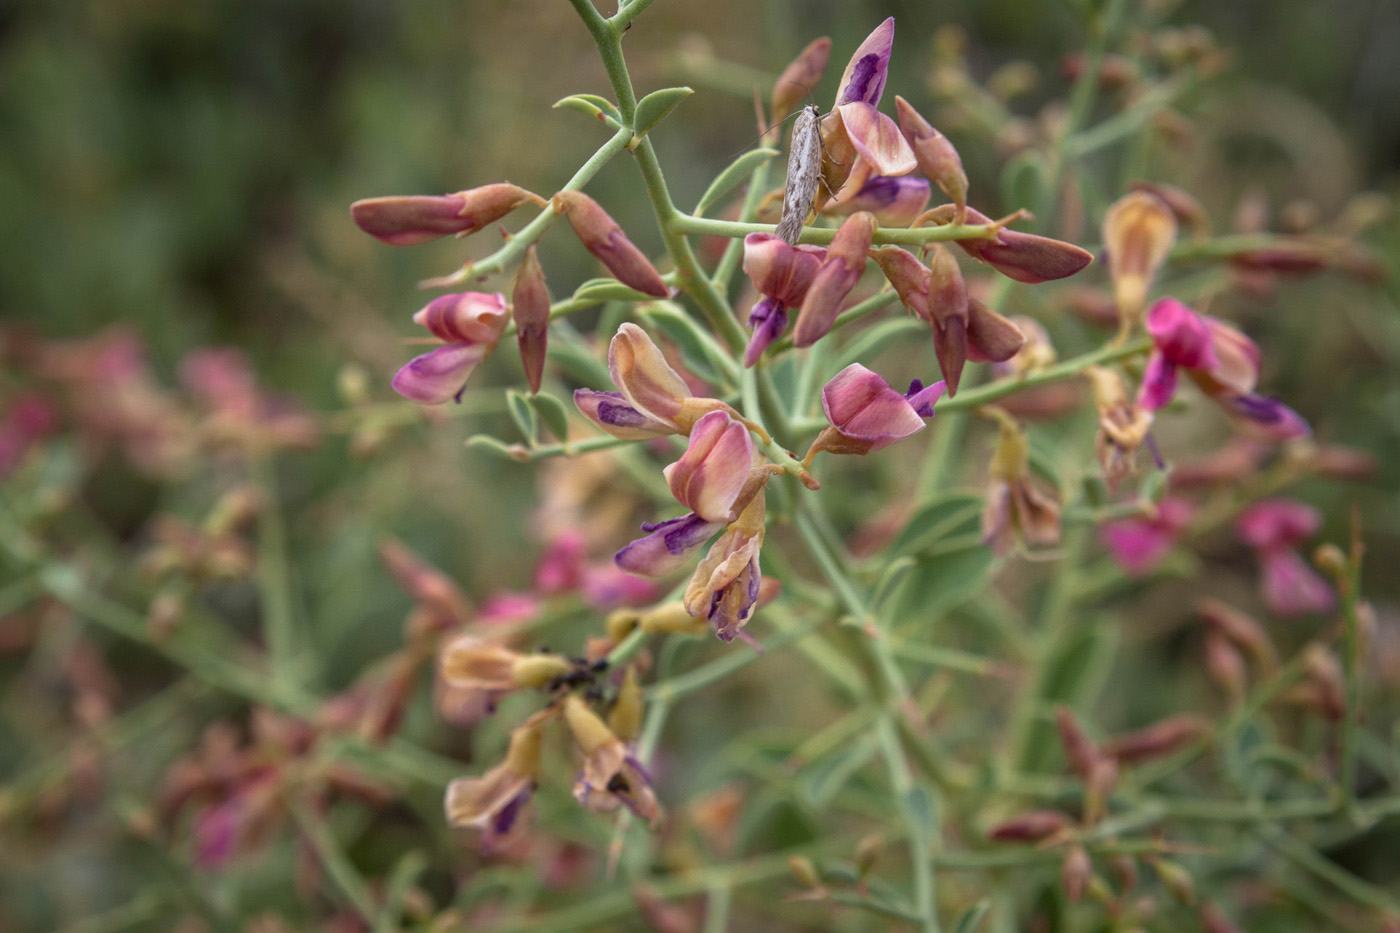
{"x": 972, "y": 918}
{"x": 733, "y": 176}
{"x": 523, "y": 414}
{"x": 595, "y": 106}
{"x": 653, "y": 108}
{"x": 498, "y": 447}
{"x": 553, "y": 413}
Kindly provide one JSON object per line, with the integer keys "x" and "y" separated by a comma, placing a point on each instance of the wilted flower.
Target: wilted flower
{"x": 1138, "y": 544}
{"x": 866, "y": 414}
{"x": 612, "y": 776}
{"x": 1138, "y": 232}
{"x": 654, "y": 400}
{"x": 602, "y": 237}
{"x": 1015, "y": 508}
{"x": 498, "y": 802}
{"x": 1275, "y": 528}
{"x": 412, "y": 219}
{"x": 1123, "y": 426}
{"x": 471, "y": 324}
{"x": 725, "y": 586}
{"x": 471, "y": 662}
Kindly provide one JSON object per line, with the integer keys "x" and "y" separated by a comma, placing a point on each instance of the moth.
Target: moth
{"x": 803, "y": 173}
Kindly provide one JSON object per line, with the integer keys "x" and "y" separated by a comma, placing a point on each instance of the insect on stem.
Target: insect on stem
{"x": 803, "y": 174}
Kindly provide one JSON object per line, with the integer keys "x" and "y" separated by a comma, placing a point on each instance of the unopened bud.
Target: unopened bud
{"x": 1125, "y": 870}
{"x": 1075, "y": 872}
{"x": 1160, "y": 738}
{"x": 1080, "y": 751}
{"x": 1214, "y": 920}
{"x": 1226, "y": 666}
{"x": 868, "y": 852}
{"x": 1176, "y": 879}
{"x": 938, "y": 160}
{"x": 1098, "y": 788}
{"x": 625, "y": 719}
{"x": 413, "y": 219}
{"x": 602, "y": 237}
{"x": 1331, "y": 561}
{"x": 1242, "y": 631}
{"x": 804, "y": 871}
{"x": 1031, "y": 826}
{"x": 1325, "y": 677}
{"x": 799, "y": 77}
{"x": 530, "y": 307}
{"x": 837, "y": 275}
{"x": 672, "y": 617}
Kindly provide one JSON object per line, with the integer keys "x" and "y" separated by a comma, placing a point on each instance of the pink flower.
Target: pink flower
{"x": 1275, "y": 528}
{"x": 1138, "y": 544}
{"x": 714, "y": 468}
{"x": 866, "y": 414}
{"x": 781, "y": 274}
{"x": 1219, "y": 359}
{"x": 471, "y": 324}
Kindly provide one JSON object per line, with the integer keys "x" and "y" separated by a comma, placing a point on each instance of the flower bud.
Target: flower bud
{"x": 602, "y": 237}
{"x": 530, "y": 302}
{"x": 1075, "y": 872}
{"x": 1031, "y": 826}
{"x": 868, "y": 852}
{"x": 413, "y": 219}
{"x": 991, "y": 338}
{"x": 1176, "y": 879}
{"x": 588, "y": 729}
{"x": 1225, "y": 665}
{"x": 1214, "y": 920}
{"x": 625, "y": 719}
{"x": 1242, "y": 631}
{"x": 1023, "y": 257}
{"x": 834, "y": 279}
{"x": 804, "y": 871}
{"x": 937, "y": 158}
{"x": 1159, "y": 739}
{"x": 799, "y": 77}
{"x": 1080, "y": 751}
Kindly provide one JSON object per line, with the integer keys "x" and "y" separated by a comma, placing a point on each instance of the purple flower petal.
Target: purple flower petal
{"x": 667, "y": 546}
{"x": 865, "y": 75}
{"x": 439, "y": 375}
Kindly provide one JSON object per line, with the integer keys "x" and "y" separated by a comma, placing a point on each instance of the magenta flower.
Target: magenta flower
{"x": 1138, "y": 544}
{"x": 866, "y": 414}
{"x": 470, "y": 323}
{"x": 1219, "y": 359}
{"x": 1275, "y": 528}
{"x": 895, "y": 200}
{"x": 24, "y": 422}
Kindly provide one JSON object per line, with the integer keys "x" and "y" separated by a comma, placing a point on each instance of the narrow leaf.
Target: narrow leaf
{"x": 733, "y": 176}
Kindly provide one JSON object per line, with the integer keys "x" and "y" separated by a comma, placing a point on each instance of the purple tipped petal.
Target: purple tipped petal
{"x": 865, "y": 75}
{"x": 666, "y": 548}
{"x": 1158, "y": 382}
{"x": 923, "y": 399}
{"x": 768, "y": 319}
{"x": 860, "y": 404}
{"x": 612, "y": 412}
{"x": 895, "y": 200}
{"x": 1268, "y": 417}
{"x": 438, "y": 376}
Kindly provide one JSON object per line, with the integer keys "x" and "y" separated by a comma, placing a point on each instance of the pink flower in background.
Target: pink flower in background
{"x": 1275, "y": 529}
{"x": 27, "y": 420}
{"x": 1139, "y": 544}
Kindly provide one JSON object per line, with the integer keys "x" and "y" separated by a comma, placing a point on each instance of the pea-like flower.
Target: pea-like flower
{"x": 1016, "y": 509}
{"x": 1138, "y": 232}
{"x": 1138, "y": 544}
{"x": 470, "y": 324}
{"x": 1275, "y": 529}
{"x": 499, "y": 802}
{"x": 725, "y": 586}
{"x": 867, "y": 414}
{"x": 1219, "y": 359}
{"x": 714, "y": 468}
{"x": 612, "y": 775}
{"x": 781, "y": 274}
{"x": 653, "y": 400}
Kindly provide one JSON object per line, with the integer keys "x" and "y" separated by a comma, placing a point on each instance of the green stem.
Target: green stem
{"x": 902, "y": 783}
{"x": 1308, "y": 858}
{"x": 274, "y": 581}
{"x": 336, "y": 863}
{"x": 975, "y": 398}
{"x": 822, "y": 236}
